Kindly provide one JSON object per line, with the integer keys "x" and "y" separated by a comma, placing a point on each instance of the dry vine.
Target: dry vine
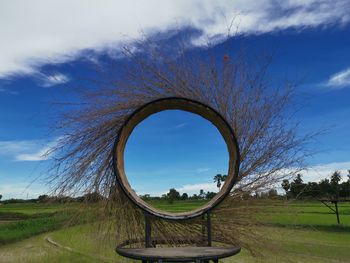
{"x": 260, "y": 116}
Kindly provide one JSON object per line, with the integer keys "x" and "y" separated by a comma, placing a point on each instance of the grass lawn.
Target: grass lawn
{"x": 305, "y": 231}
{"x": 177, "y": 206}
{"x": 32, "y": 208}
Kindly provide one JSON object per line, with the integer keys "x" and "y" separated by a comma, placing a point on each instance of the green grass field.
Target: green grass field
{"x": 177, "y": 206}
{"x": 307, "y": 232}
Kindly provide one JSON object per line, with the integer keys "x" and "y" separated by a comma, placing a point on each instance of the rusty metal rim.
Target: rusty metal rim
{"x": 176, "y": 103}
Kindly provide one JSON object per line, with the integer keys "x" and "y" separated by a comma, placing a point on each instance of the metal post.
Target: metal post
{"x": 209, "y": 228}
{"x": 336, "y": 211}
{"x": 148, "y": 229}
{"x": 203, "y": 230}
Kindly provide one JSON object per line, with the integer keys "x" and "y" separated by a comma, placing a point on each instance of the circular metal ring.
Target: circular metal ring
{"x": 188, "y": 105}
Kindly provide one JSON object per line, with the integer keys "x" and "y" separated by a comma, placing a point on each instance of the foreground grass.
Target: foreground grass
{"x": 15, "y": 231}
{"x": 25, "y": 221}
{"x": 299, "y": 232}
{"x": 84, "y": 244}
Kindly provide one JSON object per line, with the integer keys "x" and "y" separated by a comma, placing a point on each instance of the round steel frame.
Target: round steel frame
{"x": 175, "y": 103}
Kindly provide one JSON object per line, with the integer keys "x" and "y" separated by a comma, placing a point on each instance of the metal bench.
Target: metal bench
{"x": 179, "y": 254}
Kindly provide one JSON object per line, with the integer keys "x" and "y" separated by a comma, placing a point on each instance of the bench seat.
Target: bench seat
{"x": 179, "y": 254}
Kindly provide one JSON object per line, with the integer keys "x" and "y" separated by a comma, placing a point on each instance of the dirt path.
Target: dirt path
{"x": 52, "y": 242}
{"x": 91, "y": 256}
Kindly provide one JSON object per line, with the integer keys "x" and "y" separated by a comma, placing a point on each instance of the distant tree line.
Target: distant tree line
{"x": 327, "y": 188}
{"x": 89, "y": 197}
{"x": 174, "y": 195}
{"x": 331, "y": 188}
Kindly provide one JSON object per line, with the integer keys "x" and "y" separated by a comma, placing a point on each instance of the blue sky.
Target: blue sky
{"x": 46, "y": 50}
{"x": 175, "y": 149}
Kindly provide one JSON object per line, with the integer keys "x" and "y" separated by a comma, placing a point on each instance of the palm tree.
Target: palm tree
{"x": 285, "y": 185}
{"x": 217, "y": 180}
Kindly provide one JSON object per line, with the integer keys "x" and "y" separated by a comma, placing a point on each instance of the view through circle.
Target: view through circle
{"x": 176, "y": 161}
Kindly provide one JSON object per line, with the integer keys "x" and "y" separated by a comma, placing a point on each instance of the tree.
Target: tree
{"x": 344, "y": 190}
{"x": 201, "y": 194}
{"x": 210, "y": 195}
{"x": 217, "y": 180}
{"x": 272, "y": 193}
{"x": 43, "y": 198}
{"x": 184, "y": 196}
{"x": 0, "y": 196}
{"x": 312, "y": 190}
{"x": 333, "y": 190}
{"x": 93, "y": 197}
{"x": 145, "y": 197}
{"x": 285, "y": 185}
{"x": 298, "y": 180}
{"x": 173, "y": 195}
{"x": 335, "y": 178}
{"x": 325, "y": 188}
{"x": 297, "y": 187}
{"x": 195, "y": 197}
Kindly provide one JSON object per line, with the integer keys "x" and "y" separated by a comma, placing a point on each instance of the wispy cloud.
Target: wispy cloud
{"x": 52, "y": 80}
{"x": 40, "y": 155}
{"x": 7, "y": 91}
{"x": 202, "y": 170}
{"x": 180, "y": 125}
{"x": 22, "y": 190}
{"x": 31, "y": 41}
{"x": 339, "y": 80}
{"x": 26, "y": 150}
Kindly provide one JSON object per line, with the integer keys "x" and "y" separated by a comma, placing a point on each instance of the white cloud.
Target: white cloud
{"x": 340, "y": 79}
{"x": 37, "y": 32}
{"x": 27, "y": 150}
{"x": 22, "y": 190}
{"x": 195, "y": 188}
{"x": 321, "y": 171}
{"x": 41, "y": 155}
{"x": 52, "y": 80}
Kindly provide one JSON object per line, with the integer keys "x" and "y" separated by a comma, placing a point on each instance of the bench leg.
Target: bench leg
{"x": 216, "y": 261}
